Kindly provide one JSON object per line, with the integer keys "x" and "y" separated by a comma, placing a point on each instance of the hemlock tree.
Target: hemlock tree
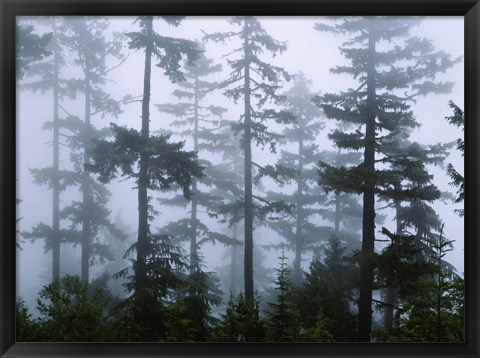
{"x": 164, "y": 263}
{"x": 117, "y": 248}
{"x": 29, "y": 48}
{"x": 390, "y": 76}
{"x": 203, "y": 123}
{"x": 328, "y": 292}
{"x": 241, "y": 322}
{"x": 255, "y": 83}
{"x": 231, "y": 273}
{"x": 283, "y": 321}
{"x": 85, "y": 38}
{"x": 228, "y": 210}
{"x": 56, "y": 179}
{"x": 407, "y": 180}
{"x": 433, "y": 309}
{"x": 209, "y": 131}
{"x": 400, "y": 266}
{"x": 160, "y": 163}
{"x": 298, "y": 228}
{"x": 197, "y": 299}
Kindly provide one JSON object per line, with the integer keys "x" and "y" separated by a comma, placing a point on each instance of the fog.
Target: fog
{"x": 308, "y": 51}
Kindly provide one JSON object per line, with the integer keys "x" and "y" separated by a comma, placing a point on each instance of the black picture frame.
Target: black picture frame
{"x": 9, "y": 9}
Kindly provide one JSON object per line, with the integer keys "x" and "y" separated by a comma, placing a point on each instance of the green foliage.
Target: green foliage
{"x": 402, "y": 264}
{"x": 283, "y": 323}
{"x": 69, "y": 313}
{"x": 432, "y": 310}
{"x": 458, "y": 180}
{"x": 319, "y": 332}
{"x": 437, "y": 318}
{"x": 164, "y": 262}
{"x": 156, "y": 164}
{"x": 240, "y": 322}
{"x": 438, "y": 314}
{"x": 195, "y": 303}
{"x": 169, "y": 164}
{"x": 328, "y": 291}
{"x": 179, "y": 328}
{"x": 26, "y": 328}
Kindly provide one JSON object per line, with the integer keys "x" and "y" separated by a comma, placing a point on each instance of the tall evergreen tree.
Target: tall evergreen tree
{"x": 160, "y": 162}
{"x": 400, "y": 267}
{"x": 409, "y": 181}
{"x": 198, "y": 297}
{"x": 85, "y": 39}
{"x": 328, "y": 292}
{"x": 390, "y": 77}
{"x": 56, "y": 179}
{"x": 203, "y": 123}
{"x": 256, "y": 83}
{"x": 30, "y": 48}
{"x": 299, "y": 229}
{"x": 283, "y": 317}
{"x": 229, "y": 209}
{"x": 432, "y": 295}
{"x": 117, "y": 248}
{"x": 164, "y": 263}
{"x": 241, "y": 322}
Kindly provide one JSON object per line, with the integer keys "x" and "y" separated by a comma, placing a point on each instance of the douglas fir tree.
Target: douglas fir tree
{"x": 255, "y": 83}
{"x": 392, "y": 69}
{"x": 85, "y": 39}
{"x": 50, "y": 79}
{"x": 160, "y": 165}
{"x": 299, "y": 229}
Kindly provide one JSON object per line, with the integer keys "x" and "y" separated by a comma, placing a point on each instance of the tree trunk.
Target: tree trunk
{"x": 247, "y": 139}
{"x": 87, "y": 200}
{"x": 390, "y": 300}
{"x": 391, "y": 292}
{"x": 56, "y": 160}
{"x": 143, "y": 226}
{"x": 337, "y": 207}
{"x": 297, "y": 268}
{"x": 440, "y": 285}
{"x": 368, "y": 231}
{"x": 233, "y": 268}
{"x": 193, "y": 214}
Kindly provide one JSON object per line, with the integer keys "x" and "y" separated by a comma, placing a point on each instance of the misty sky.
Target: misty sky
{"x": 309, "y": 51}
